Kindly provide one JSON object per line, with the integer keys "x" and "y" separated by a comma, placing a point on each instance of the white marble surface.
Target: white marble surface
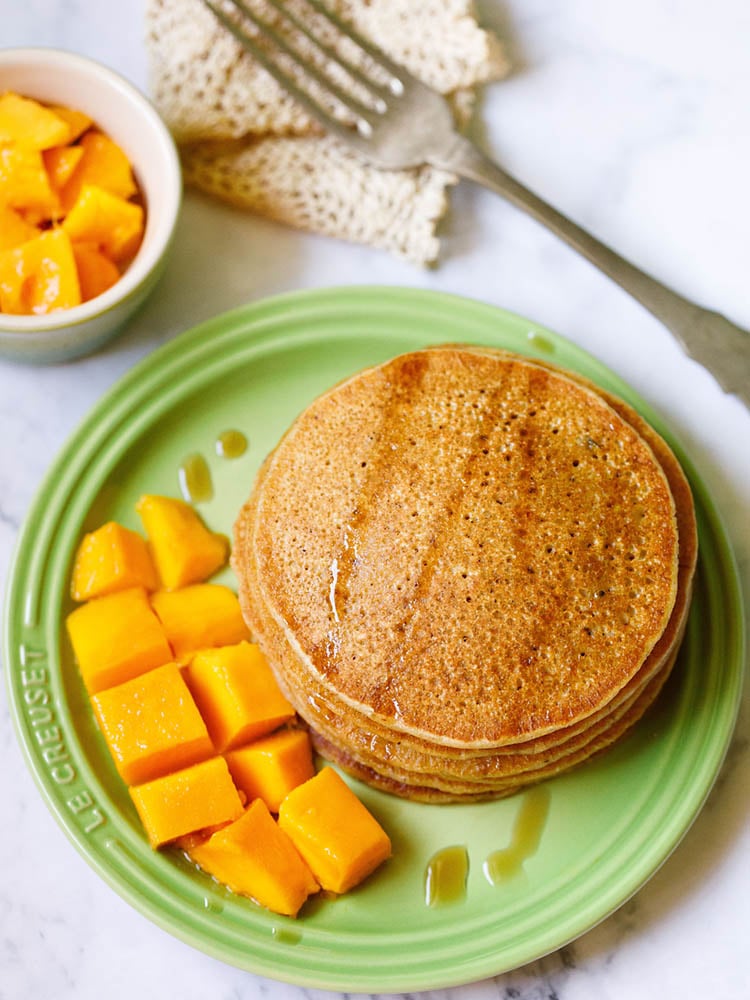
{"x": 634, "y": 119}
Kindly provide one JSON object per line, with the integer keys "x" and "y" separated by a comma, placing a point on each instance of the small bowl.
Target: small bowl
{"x": 125, "y": 115}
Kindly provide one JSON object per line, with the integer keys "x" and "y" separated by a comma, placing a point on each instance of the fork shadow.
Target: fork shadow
{"x": 497, "y": 18}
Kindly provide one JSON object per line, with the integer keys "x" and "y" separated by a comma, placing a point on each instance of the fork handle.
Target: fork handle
{"x": 707, "y": 336}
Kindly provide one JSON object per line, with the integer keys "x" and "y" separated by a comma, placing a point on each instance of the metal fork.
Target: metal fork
{"x": 396, "y": 122}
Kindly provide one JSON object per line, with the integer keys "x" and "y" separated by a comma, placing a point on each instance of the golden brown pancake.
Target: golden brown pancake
{"x": 437, "y": 788}
{"x": 467, "y": 569}
{"x": 370, "y": 743}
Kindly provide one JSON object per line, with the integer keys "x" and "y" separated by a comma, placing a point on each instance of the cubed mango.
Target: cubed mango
{"x": 117, "y": 637}
{"x": 202, "y": 616}
{"x": 269, "y": 768}
{"x": 112, "y": 223}
{"x": 152, "y": 726}
{"x": 109, "y": 559}
{"x": 57, "y": 169}
{"x": 60, "y": 162}
{"x": 24, "y": 184}
{"x": 77, "y": 121}
{"x": 39, "y": 276}
{"x": 254, "y": 857}
{"x": 237, "y": 694}
{"x": 96, "y": 272}
{"x": 188, "y": 800}
{"x": 103, "y": 164}
{"x": 335, "y": 833}
{"x": 185, "y": 550}
{"x": 26, "y": 122}
{"x": 14, "y": 229}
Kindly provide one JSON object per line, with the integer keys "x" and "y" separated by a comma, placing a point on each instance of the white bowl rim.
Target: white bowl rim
{"x": 24, "y": 328}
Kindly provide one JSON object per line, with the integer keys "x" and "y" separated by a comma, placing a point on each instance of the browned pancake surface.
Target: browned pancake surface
{"x": 471, "y": 548}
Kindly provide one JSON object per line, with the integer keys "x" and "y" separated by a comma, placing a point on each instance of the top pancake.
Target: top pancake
{"x": 470, "y": 548}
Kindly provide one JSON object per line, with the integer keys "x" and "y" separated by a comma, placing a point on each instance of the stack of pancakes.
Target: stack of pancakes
{"x": 470, "y": 571}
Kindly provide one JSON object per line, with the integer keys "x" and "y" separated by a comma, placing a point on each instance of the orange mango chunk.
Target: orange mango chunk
{"x": 60, "y": 162}
{"x": 24, "y": 183}
{"x": 151, "y": 725}
{"x": 102, "y": 164}
{"x": 254, "y": 857}
{"x": 335, "y": 833}
{"x": 185, "y": 550}
{"x": 77, "y": 121}
{"x": 271, "y": 767}
{"x": 86, "y": 189}
{"x": 109, "y": 559}
{"x": 39, "y": 276}
{"x": 112, "y": 223}
{"x": 14, "y": 229}
{"x": 96, "y": 272}
{"x": 202, "y": 616}
{"x": 237, "y": 694}
{"x": 28, "y": 123}
{"x": 188, "y": 800}
{"x": 116, "y": 638}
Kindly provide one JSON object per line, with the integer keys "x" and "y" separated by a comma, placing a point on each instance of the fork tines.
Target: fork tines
{"x": 339, "y": 77}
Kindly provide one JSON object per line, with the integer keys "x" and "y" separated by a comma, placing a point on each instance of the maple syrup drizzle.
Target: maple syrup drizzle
{"x": 540, "y": 342}
{"x": 527, "y": 832}
{"x": 445, "y": 876}
{"x": 195, "y": 479}
{"x": 231, "y": 444}
{"x": 286, "y": 935}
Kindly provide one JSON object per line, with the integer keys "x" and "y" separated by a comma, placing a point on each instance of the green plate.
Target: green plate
{"x": 611, "y": 822}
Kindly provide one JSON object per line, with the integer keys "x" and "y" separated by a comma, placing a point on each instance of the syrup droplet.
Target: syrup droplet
{"x": 527, "y": 832}
{"x": 195, "y": 479}
{"x": 231, "y": 444}
{"x": 540, "y": 342}
{"x": 445, "y": 876}
{"x": 286, "y": 935}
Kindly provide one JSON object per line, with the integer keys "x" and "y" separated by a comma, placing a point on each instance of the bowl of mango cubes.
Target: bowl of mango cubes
{"x": 90, "y": 191}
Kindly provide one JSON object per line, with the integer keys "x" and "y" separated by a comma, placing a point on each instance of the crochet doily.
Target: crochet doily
{"x": 244, "y": 140}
